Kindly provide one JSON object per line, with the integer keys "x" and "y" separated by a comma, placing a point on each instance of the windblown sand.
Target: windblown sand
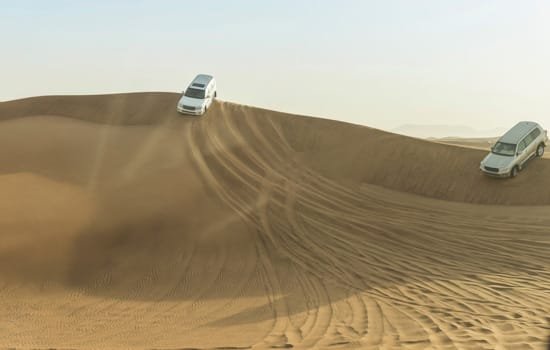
{"x": 126, "y": 225}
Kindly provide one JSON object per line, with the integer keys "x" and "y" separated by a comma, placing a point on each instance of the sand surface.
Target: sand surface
{"x": 125, "y": 225}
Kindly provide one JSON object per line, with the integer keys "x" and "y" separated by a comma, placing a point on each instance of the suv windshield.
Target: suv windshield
{"x": 504, "y": 149}
{"x": 194, "y": 93}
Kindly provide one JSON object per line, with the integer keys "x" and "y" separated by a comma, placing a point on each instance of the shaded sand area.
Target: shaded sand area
{"x": 125, "y": 225}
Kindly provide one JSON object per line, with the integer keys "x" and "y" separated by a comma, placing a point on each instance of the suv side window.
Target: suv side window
{"x": 535, "y": 133}
{"x": 528, "y": 139}
{"x": 522, "y": 144}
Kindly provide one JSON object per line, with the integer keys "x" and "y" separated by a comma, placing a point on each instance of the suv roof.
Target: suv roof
{"x": 201, "y": 81}
{"x": 515, "y": 134}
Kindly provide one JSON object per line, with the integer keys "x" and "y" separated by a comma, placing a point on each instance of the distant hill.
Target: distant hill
{"x": 440, "y": 131}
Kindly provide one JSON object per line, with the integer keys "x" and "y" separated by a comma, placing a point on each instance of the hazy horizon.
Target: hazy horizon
{"x": 482, "y": 65}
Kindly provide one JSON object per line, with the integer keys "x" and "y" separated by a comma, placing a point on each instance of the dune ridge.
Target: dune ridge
{"x": 338, "y": 150}
{"x": 249, "y": 228}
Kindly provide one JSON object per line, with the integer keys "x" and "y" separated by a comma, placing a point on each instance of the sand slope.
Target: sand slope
{"x": 125, "y": 225}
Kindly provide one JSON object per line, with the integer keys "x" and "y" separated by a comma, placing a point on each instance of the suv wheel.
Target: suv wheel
{"x": 514, "y": 172}
{"x": 540, "y": 150}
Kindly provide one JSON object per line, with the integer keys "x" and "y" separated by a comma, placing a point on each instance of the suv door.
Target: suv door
{"x": 522, "y": 152}
{"x": 534, "y": 137}
{"x": 209, "y": 95}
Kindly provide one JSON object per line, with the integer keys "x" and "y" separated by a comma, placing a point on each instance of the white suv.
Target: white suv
{"x": 198, "y": 96}
{"x": 525, "y": 141}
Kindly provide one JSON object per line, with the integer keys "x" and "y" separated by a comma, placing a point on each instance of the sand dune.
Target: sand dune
{"x": 125, "y": 225}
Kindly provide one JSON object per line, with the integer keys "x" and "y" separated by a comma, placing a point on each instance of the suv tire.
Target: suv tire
{"x": 540, "y": 150}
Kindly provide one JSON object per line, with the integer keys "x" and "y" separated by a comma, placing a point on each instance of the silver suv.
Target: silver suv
{"x": 525, "y": 141}
{"x": 198, "y": 96}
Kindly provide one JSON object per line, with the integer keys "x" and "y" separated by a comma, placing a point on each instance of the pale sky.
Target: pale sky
{"x": 386, "y": 63}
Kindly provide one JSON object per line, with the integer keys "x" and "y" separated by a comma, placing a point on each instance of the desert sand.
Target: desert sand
{"x": 126, "y": 225}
